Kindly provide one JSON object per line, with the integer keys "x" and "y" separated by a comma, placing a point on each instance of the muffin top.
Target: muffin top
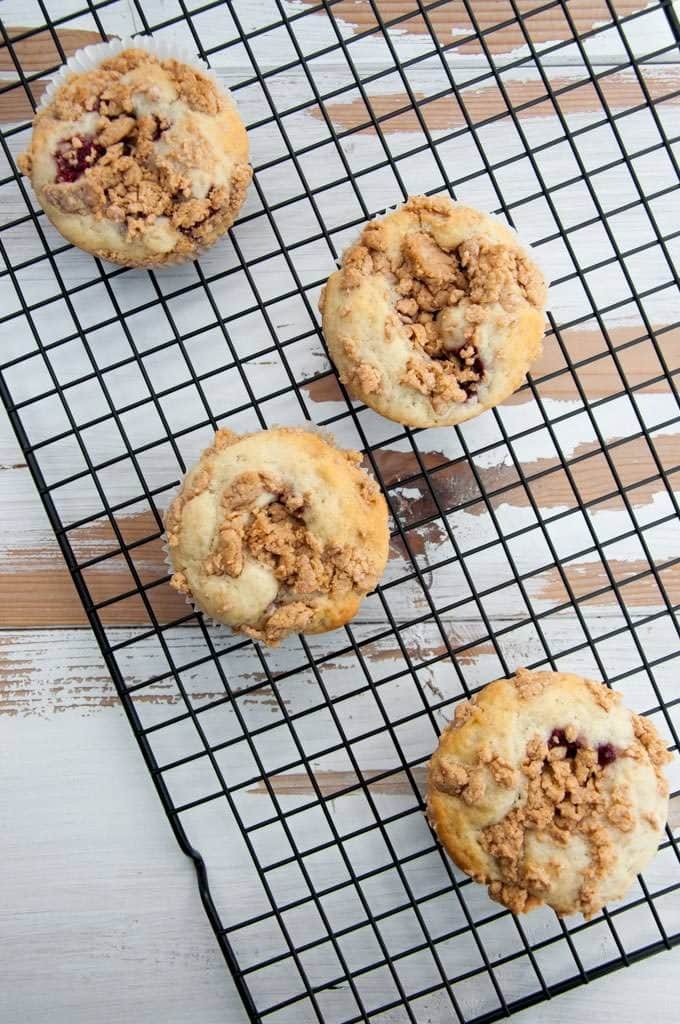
{"x": 436, "y": 313}
{"x": 140, "y": 161}
{"x": 277, "y": 532}
{"x": 548, "y": 790}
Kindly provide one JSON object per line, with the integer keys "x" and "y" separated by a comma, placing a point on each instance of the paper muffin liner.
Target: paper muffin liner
{"x": 90, "y": 57}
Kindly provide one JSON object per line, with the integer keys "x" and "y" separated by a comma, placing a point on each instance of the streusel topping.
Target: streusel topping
{"x": 263, "y": 517}
{"x": 442, "y": 296}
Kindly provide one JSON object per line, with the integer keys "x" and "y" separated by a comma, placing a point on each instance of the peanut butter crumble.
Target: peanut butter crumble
{"x": 436, "y": 310}
{"x": 430, "y": 283}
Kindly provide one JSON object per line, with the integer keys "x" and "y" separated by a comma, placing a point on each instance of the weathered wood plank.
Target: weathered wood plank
{"x": 546, "y": 26}
{"x": 38, "y": 589}
{"x": 101, "y": 902}
{"x": 65, "y": 669}
{"x": 575, "y": 95}
{"x": 411, "y": 37}
{"x": 39, "y": 50}
{"x": 451, "y": 21}
{"x": 621, "y": 92}
{"x": 51, "y": 672}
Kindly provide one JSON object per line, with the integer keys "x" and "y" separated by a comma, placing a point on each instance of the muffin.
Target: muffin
{"x": 435, "y": 315}
{"x": 547, "y": 790}
{"x": 141, "y": 160}
{"x": 277, "y": 532}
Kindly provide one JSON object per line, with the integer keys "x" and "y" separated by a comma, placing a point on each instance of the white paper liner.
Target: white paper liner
{"x": 90, "y": 57}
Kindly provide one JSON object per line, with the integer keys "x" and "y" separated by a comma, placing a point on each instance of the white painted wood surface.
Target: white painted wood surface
{"x": 99, "y": 916}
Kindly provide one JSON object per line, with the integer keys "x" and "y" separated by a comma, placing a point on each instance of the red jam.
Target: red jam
{"x": 606, "y": 754}
{"x": 72, "y": 161}
{"x": 558, "y": 738}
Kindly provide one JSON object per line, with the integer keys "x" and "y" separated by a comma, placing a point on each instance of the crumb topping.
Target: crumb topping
{"x": 650, "y": 742}
{"x": 368, "y": 378}
{"x": 528, "y": 684}
{"x": 470, "y": 782}
{"x": 179, "y": 582}
{"x": 287, "y": 618}
{"x": 104, "y": 91}
{"x": 133, "y": 170}
{"x": 462, "y": 712}
{"x": 263, "y": 518}
{"x": 276, "y": 536}
{"x": 224, "y": 438}
{"x": 564, "y": 796}
{"x": 606, "y": 698}
{"x": 443, "y": 298}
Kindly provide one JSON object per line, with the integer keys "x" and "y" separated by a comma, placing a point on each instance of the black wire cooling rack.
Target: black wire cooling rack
{"x": 293, "y": 777}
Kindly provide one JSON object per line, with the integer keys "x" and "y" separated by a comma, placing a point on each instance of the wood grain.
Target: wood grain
{"x": 16, "y": 105}
{"x": 47, "y": 673}
{"x": 40, "y": 50}
{"x": 36, "y": 53}
{"x": 39, "y": 590}
{"x": 51, "y": 671}
{"x": 621, "y": 91}
{"x": 451, "y": 20}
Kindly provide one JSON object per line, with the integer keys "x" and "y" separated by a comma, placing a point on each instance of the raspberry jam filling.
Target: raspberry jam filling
{"x": 558, "y": 738}
{"x": 161, "y": 126}
{"x": 74, "y": 156}
{"x": 606, "y": 752}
